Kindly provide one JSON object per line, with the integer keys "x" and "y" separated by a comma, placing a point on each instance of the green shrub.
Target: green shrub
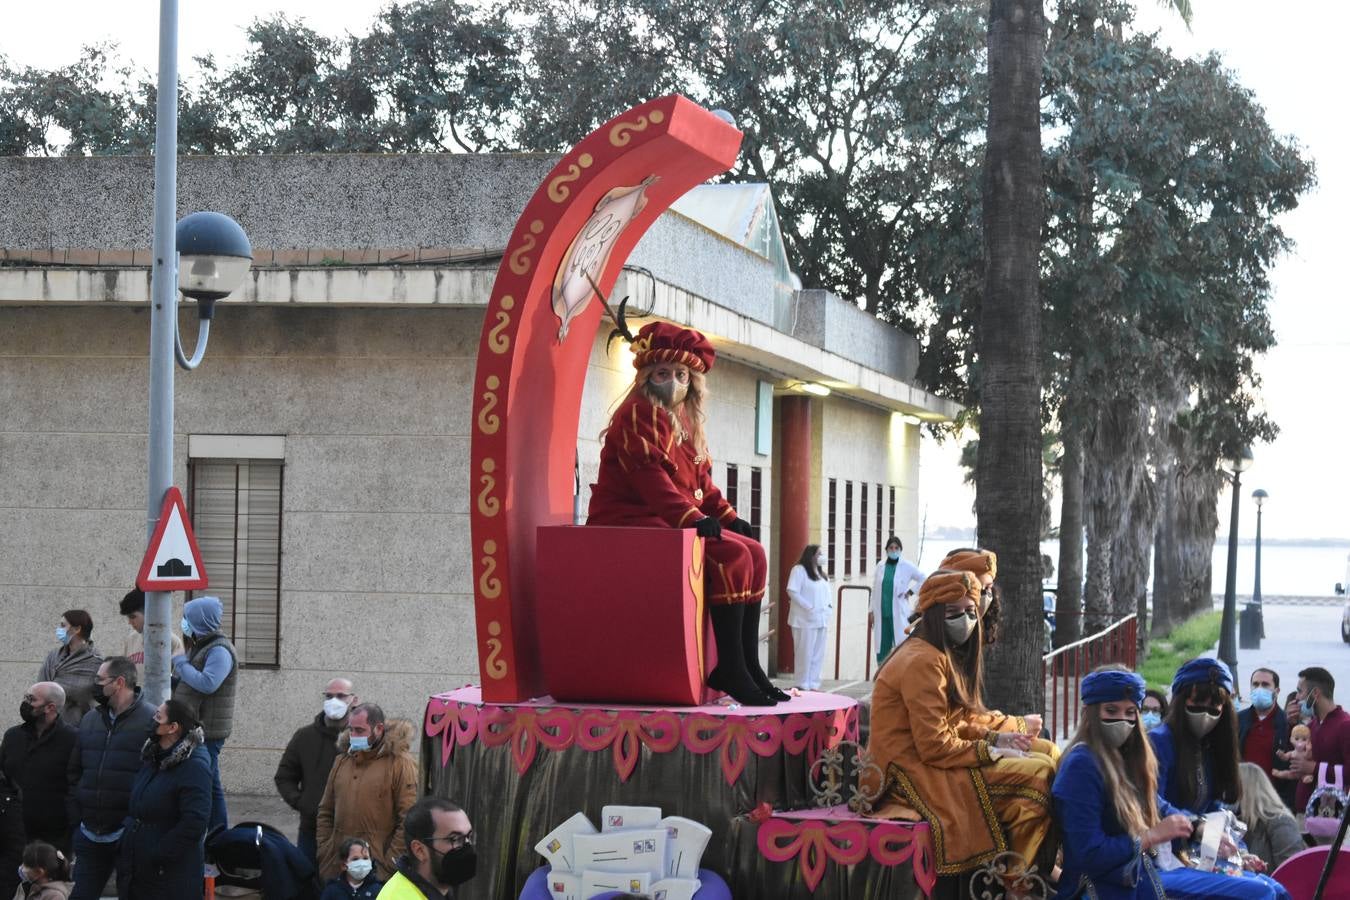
{"x": 1194, "y": 637}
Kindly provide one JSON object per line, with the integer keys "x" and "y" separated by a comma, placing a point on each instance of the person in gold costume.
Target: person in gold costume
{"x": 981, "y": 794}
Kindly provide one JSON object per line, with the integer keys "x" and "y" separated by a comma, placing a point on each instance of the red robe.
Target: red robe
{"x": 649, "y": 478}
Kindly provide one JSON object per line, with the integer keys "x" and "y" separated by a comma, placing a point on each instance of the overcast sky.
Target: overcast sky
{"x": 1291, "y": 55}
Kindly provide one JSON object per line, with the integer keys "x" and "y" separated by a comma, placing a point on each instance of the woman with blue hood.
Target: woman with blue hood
{"x": 204, "y": 679}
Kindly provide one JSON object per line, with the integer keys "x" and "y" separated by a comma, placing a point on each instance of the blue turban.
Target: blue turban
{"x": 1204, "y": 670}
{"x": 1110, "y": 686}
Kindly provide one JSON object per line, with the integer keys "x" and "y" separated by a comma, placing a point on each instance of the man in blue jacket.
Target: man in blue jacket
{"x": 1263, "y": 731}
{"x": 206, "y": 677}
{"x": 102, "y": 770}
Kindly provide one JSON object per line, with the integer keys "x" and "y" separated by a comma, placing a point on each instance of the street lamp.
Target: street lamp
{"x": 1259, "y": 495}
{"x": 1227, "y": 643}
{"x": 215, "y": 257}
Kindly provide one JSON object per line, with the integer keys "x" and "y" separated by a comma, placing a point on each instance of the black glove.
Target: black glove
{"x": 741, "y": 527}
{"x": 708, "y": 527}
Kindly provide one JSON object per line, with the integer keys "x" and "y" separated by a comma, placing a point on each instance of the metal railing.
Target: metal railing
{"x": 1062, "y": 671}
{"x": 839, "y": 627}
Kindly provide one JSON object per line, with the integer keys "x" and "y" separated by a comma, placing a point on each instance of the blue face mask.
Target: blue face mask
{"x": 1262, "y": 698}
{"x": 1151, "y": 720}
{"x": 892, "y": 555}
{"x": 186, "y": 627}
{"x": 1306, "y": 708}
{"x": 359, "y": 743}
{"x": 62, "y": 636}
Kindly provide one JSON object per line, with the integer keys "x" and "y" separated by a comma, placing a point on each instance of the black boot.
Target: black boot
{"x": 750, "y": 646}
{"x": 730, "y": 676}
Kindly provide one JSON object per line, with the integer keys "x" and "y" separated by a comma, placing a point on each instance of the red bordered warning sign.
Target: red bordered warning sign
{"x": 172, "y": 561}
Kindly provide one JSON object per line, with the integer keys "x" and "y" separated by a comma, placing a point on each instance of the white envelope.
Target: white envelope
{"x": 564, "y": 885}
{"x": 593, "y": 882}
{"x": 675, "y": 889}
{"x": 556, "y": 846}
{"x": 642, "y": 850}
{"x": 684, "y": 848}
{"x": 612, "y": 818}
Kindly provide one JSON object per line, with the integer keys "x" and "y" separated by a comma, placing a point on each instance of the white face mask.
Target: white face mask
{"x": 359, "y": 869}
{"x": 959, "y": 627}
{"x": 334, "y": 708}
{"x": 1201, "y": 723}
{"x": 1117, "y": 731}
{"x": 820, "y": 561}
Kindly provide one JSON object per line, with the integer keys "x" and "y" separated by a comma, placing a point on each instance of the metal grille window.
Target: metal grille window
{"x": 236, "y": 515}
{"x": 732, "y": 490}
{"x": 881, "y": 535}
{"x": 756, "y": 495}
{"x": 830, "y": 531}
{"x": 892, "y": 510}
{"x": 862, "y": 517}
{"x": 848, "y": 529}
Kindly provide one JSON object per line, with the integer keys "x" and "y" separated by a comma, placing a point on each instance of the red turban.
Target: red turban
{"x": 661, "y": 342}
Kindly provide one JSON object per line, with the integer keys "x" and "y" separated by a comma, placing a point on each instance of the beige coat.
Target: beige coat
{"x": 367, "y": 795}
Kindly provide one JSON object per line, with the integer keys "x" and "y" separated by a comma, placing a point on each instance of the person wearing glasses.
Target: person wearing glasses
{"x": 372, "y": 786}
{"x": 33, "y": 756}
{"x": 304, "y": 767}
{"x": 440, "y": 855}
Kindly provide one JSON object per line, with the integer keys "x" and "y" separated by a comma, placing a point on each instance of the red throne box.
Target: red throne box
{"x": 620, "y": 615}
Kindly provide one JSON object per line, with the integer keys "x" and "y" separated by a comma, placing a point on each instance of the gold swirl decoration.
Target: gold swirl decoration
{"x": 496, "y": 668}
{"x": 498, "y": 342}
{"x": 558, "y": 189}
{"x": 488, "y": 584}
{"x": 488, "y": 421}
{"x": 488, "y": 505}
{"x": 622, "y": 133}
{"x": 520, "y": 263}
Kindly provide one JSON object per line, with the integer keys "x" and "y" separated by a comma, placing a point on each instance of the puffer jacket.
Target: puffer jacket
{"x": 161, "y": 848}
{"x": 104, "y": 765}
{"x": 367, "y": 795}
{"x": 52, "y": 890}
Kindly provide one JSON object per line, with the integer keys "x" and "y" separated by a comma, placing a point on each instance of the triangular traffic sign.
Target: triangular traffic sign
{"x": 172, "y": 561}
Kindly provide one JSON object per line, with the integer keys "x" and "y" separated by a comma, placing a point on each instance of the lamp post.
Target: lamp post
{"x": 216, "y": 255}
{"x": 1259, "y": 495}
{"x": 1227, "y": 639}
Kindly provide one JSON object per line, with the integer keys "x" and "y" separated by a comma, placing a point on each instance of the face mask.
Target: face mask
{"x": 893, "y": 555}
{"x": 986, "y": 599}
{"x": 457, "y": 866}
{"x": 1201, "y": 723}
{"x": 1151, "y": 720}
{"x": 357, "y": 743}
{"x": 1117, "y": 731}
{"x": 62, "y": 636}
{"x": 186, "y": 628}
{"x": 101, "y": 698}
{"x": 1306, "y": 708}
{"x": 1262, "y": 698}
{"x": 959, "y": 628}
{"x": 27, "y": 712}
{"x": 23, "y": 874}
{"x": 334, "y": 708}
{"x": 820, "y": 562}
{"x": 359, "y": 869}
{"x": 669, "y": 392}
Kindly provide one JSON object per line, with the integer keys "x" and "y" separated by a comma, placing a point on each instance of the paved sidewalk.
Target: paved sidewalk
{"x": 1298, "y": 637}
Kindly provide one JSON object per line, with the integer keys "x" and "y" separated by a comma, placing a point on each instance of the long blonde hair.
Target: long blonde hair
{"x": 1130, "y": 773}
{"x": 1259, "y": 800}
{"x": 690, "y": 426}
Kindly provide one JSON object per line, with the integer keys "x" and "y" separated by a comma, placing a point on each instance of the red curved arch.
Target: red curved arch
{"x": 528, "y": 385}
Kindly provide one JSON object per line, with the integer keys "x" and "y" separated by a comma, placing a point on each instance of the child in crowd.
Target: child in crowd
{"x": 45, "y": 874}
{"x": 357, "y": 880}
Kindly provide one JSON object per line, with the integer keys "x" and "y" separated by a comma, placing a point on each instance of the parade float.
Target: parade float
{"x": 594, "y": 642}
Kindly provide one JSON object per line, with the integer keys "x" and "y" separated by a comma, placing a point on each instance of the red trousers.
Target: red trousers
{"x": 734, "y": 569}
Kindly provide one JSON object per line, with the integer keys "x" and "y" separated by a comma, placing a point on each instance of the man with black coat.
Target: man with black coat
{"x": 1263, "y": 731}
{"x": 304, "y": 767}
{"x": 34, "y": 756}
{"x": 103, "y": 768}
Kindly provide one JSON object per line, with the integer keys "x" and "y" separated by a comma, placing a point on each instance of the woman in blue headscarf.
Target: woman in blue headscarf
{"x": 1105, "y": 796}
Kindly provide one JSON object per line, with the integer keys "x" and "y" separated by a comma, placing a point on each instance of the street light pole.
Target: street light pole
{"x": 163, "y": 328}
{"x": 1227, "y": 626}
{"x": 1259, "y": 496}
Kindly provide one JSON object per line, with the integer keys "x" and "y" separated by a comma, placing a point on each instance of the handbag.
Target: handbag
{"x": 1326, "y": 806}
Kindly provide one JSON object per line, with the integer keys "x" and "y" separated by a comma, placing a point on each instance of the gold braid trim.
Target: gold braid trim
{"x": 897, "y": 775}
{"x": 1026, "y": 793}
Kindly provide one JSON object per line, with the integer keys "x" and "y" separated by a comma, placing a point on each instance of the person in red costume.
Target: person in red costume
{"x": 655, "y": 472}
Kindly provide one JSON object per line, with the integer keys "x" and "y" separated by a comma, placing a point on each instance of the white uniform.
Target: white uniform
{"x": 809, "y": 617}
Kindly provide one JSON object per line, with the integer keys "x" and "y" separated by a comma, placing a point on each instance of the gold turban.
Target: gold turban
{"x": 977, "y": 562}
{"x": 946, "y": 587}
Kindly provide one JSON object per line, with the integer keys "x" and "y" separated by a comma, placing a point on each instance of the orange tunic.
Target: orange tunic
{"x": 648, "y": 477}
{"x": 976, "y": 805}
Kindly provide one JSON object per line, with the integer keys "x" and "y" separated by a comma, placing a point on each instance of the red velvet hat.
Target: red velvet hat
{"x": 660, "y": 342}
